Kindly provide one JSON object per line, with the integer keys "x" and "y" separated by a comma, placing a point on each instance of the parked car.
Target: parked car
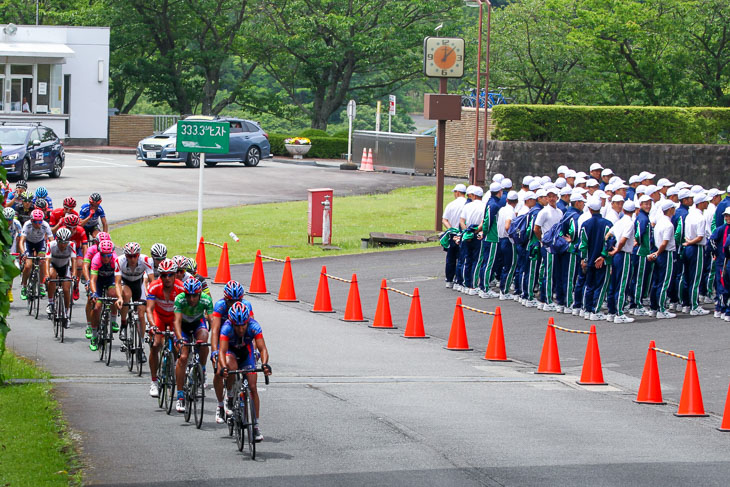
{"x": 29, "y": 149}
{"x": 248, "y": 144}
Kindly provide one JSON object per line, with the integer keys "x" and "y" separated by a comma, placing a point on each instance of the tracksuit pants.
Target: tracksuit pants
{"x": 708, "y": 276}
{"x": 677, "y": 276}
{"x": 694, "y": 258}
{"x": 452, "y": 256}
{"x": 471, "y": 260}
{"x": 520, "y": 269}
{"x": 547, "y": 276}
{"x": 661, "y": 280}
{"x": 594, "y": 284}
{"x": 620, "y": 271}
{"x": 571, "y": 279}
{"x": 560, "y": 270}
{"x": 721, "y": 290}
{"x": 487, "y": 257}
{"x": 460, "y": 260}
{"x": 641, "y": 278}
{"x": 508, "y": 258}
{"x": 531, "y": 274}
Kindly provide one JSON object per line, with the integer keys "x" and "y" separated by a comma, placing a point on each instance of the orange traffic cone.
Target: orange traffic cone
{"x": 322, "y": 302}
{"x": 200, "y": 259}
{"x": 550, "y": 358}
{"x": 650, "y": 388}
{"x": 457, "y": 337}
{"x": 414, "y": 327}
{"x": 592, "y": 374}
{"x": 383, "y": 318}
{"x": 725, "y": 425}
{"x": 495, "y": 348}
{"x": 286, "y": 290}
{"x": 690, "y": 403}
{"x": 258, "y": 281}
{"x": 364, "y": 160}
{"x": 353, "y": 310}
{"x": 370, "y": 160}
{"x": 223, "y": 273}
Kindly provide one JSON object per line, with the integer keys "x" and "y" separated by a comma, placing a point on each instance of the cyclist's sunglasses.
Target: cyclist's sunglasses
{"x": 38, "y": 222}
{"x": 132, "y": 256}
{"x": 107, "y": 256}
{"x": 168, "y": 274}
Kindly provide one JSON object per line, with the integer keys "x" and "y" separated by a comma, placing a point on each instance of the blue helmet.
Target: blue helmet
{"x": 192, "y": 286}
{"x": 233, "y": 290}
{"x": 238, "y": 314}
{"x": 41, "y": 192}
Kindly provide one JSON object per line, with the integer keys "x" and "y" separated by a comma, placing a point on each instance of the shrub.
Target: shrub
{"x": 7, "y": 272}
{"x": 322, "y": 147}
{"x": 626, "y": 124}
{"x": 313, "y": 133}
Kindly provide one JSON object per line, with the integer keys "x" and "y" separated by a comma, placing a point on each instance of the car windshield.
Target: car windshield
{"x": 13, "y": 135}
{"x": 171, "y": 131}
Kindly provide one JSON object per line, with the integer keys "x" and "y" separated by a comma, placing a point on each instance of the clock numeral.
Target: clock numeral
{"x": 445, "y": 41}
{"x": 429, "y": 56}
{"x": 444, "y": 72}
{"x": 458, "y": 58}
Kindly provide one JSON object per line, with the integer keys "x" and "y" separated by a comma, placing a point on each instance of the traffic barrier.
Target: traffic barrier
{"x": 367, "y": 163}
{"x": 458, "y": 339}
{"x": 223, "y": 273}
{"x": 200, "y": 259}
{"x": 322, "y": 302}
{"x": 353, "y": 309}
{"x": 725, "y": 425}
{"x": 650, "y": 387}
{"x": 414, "y": 326}
{"x": 258, "y": 280}
{"x": 383, "y": 319}
{"x": 286, "y": 290}
{"x": 364, "y": 160}
{"x": 496, "y": 351}
{"x": 592, "y": 373}
{"x": 550, "y": 358}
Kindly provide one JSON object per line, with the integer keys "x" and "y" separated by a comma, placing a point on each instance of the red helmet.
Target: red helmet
{"x": 36, "y": 215}
{"x": 106, "y": 247}
{"x": 69, "y": 203}
{"x": 71, "y": 220}
{"x": 167, "y": 266}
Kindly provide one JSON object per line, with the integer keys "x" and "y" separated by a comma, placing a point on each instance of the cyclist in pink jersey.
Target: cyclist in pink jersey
{"x": 90, "y": 253}
{"x": 103, "y": 283}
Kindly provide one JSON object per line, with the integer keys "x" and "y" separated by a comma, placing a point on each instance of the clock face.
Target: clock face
{"x": 443, "y": 57}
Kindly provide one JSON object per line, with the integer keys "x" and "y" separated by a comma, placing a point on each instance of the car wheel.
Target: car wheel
{"x": 152, "y": 163}
{"x": 210, "y": 164}
{"x": 193, "y": 159}
{"x": 57, "y": 167}
{"x": 253, "y": 156}
{"x": 25, "y": 170}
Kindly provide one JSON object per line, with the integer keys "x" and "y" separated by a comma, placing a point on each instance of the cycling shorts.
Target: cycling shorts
{"x": 245, "y": 357}
{"x": 104, "y": 283}
{"x": 163, "y": 325}
{"x": 35, "y": 248}
{"x": 189, "y": 329}
{"x": 62, "y": 271}
{"x": 135, "y": 287}
{"x": 80, "y": 253}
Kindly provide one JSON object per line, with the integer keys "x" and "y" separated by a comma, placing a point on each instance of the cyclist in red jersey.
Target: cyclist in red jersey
{"x": 57, "y": 216}
{"x": 78, "y": 237}
{"x": 161, "y": 296}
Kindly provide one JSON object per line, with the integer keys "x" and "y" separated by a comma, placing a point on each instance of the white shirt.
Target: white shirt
{"x": 694, "y": 226}
{"x": 453, "y": 211}
{"x": 520, "y": 200}
{"x": 523, "y": 211}
{"x": 59, "y": 257}
{"x": 612, "y": 216}
{"x": 664, "y": 230}
{"x": 654, "y": 213}
{"x": 15, "y": 229}
{"x": 505, "y": 214}
{"x": 547, "y": 217}
{"x": 35, "y": 235}
{"x": 709, "y": 216}
{"x": 624, "y": 227}
{"x": 473, "y": 213}
{"x": 582, "y": 219}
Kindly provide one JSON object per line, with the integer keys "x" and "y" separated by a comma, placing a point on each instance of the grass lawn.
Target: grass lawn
{"x": 34, "y": 447}
{"x": 267, "y": 226}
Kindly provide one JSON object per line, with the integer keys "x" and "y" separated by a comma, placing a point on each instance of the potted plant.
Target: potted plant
{"x": 297, "y": 146}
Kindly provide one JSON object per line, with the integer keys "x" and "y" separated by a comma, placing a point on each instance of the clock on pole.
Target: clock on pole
{"x": 443, "y": 57}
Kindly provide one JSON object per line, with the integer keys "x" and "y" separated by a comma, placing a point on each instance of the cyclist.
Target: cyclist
{"x": 232, "y": 293}
{"x": 133, "y": 272}
{"x": 158, "y": 252}
{"x": 161, "y": 296}
{"x": 192, "y": 310}
{"x": 23, "y": 207}
{"x": 11, "y": 199}
{"x": 91, "y": 213}
{"x": 102, "y": 283}
{"x": 33, "y": 242}
{"x": 41, "y": 204}
{"x": 14, "y": 227}
{"x": 62, "y": 254}
{"x": 91, "y": 251}
{"x": 239, "y": 335}
{"x": 57, "y": 215}
{"x": 191, "y": 270}
{"x": 41, "y": 193}
{"x": 78, "y": 236}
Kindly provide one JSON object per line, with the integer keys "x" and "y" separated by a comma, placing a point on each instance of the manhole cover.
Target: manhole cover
{"x": 413, "y": 279}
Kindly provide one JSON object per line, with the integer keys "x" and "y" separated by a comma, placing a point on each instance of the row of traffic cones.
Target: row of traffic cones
{"x": 366, "y": 163}
{"x": 287, "y": 293}
{"x": 459, "y": 341}
{"x": 223, "y": 273}
{"x": 592, "y": 373}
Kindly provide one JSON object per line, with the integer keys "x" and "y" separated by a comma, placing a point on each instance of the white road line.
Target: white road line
{"x": 66, "y": 168}
{"x": 101, "y": 162}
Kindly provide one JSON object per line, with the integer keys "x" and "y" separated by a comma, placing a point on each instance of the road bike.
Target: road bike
{"x": 59, "y": 314}
{"x": 193, "y": 389}
{"x": 243, "y": 412}
{"x": 133, "y": 347}
{"x": 166, "y": 372}
{"x": 105, "y": 335}
{"x": 494, "y": 98}
{"x": 33, "y": 286}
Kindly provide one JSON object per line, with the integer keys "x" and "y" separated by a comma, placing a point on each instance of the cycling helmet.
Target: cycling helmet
{"x": 94, "y": 198}
{"x": 22, "y": 183}
{"x": 36, "y": 215}
{"x": 238, "y": 313}
{"x": 71, "y": 220}
{"x": 41, "y": 204}
{"x": 132, "y": 248}
{"x": 192, "y": 286}
{"x": 102, "y": 236}
{"x": 63, "y": 235}
{"x": 180, "y": 261}
{"x": 233, "y": 290}
{"x": 41, "y": 192}
{"x": 167, "y": 266}
{"x": 106, "y": 247}
{"x": 69, "y": 203}
{"x": 191, "y": 266}
{"x": 9, "y": 213}
{"x": 27, "y": 196}
{"x": 158, "y": 251}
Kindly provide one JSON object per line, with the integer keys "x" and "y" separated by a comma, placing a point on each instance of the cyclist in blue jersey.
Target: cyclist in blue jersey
{"x": 239, "y": 335}
{"x": 41, "y": 193}
{"x": 91, "y": 214}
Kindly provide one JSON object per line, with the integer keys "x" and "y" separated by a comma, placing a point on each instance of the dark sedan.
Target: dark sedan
{"x": 30, "y": 149}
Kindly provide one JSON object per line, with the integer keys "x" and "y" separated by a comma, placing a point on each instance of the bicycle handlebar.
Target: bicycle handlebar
{"x": 197, "y": 344}
{"x": 61, "y": 279}
{"x": 106, "y": 299}
{"x": 251, "y": 370}
{"x": 135, "y": 303}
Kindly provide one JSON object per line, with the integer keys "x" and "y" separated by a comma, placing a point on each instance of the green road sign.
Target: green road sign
{"x": 203, "y": 136}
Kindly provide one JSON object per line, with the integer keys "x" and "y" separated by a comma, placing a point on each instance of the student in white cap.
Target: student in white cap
{"x": 506, "y": 184}
{"x": 623, "y": 231}
{"x": 663, "y": 258}
{"x": 521, "y": 193}
{"x": 595, "y": 171}
{"x": 694, "y": 253}
{"x": 719, "y": 212}
{"x": 548, "y": 217}
{"x": 568, "y": 264}
{"x": 647, "y": 178}
{"x": 532, "y": 251}
{"x": 606, "y": 175}
{"x": 497, "y": 178}
{"x": 470, "y": 222}
{"x": 686, "y": 199}
{"x": 450, "y": 220}
{"x": 633, "y": 184}
{"x": 615, "y": 211}
{"x": 570, "y": 176}
{"x": 530, "y": 202}
{"x": 560, "y": 183}
{"x": 641, "y": 280}
{"x": 562, "y": 170}
{"x": 490, "y": 243}
{"x": 673, "y": 194}
{"x": 507, "y": 252}
{"x": 564, "y": 201}
{"x": 594, "y": 253}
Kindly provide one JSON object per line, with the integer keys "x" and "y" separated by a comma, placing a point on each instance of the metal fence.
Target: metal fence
{"x": 163, "y": 122}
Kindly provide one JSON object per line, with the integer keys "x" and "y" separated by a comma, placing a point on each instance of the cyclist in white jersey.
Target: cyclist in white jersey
{"x": 133, "y": 272}
{"x": 62, "y": 255}
{"x": 33, "y": 242}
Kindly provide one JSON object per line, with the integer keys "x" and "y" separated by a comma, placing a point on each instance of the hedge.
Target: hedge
{"x": 322, "y": 147}
{"x": 626, "y": 124}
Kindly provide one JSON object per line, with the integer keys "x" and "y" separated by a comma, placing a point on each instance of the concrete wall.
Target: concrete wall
{"x": 695, "y": 164}
{"x": 460, "y": 142}
{"x": 128, "y": 130}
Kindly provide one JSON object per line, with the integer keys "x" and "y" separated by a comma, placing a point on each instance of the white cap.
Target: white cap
{"x": 570, "y": 173}
{"x": 617, "y": 198}
{"x": 478, "y": 192}
{"x": 495, "y": 187}
{"x": 634, "y": 179}
{"x": 651, "y": 189}
{"x": 497, "y": 178}
{"x": 545, "y": 179}
{"x": 595, "y": 166}
{"x": 728, "y": 189}
{"x": 697, "y": 188}
{"x": 727, "y": 211}
{"x": 581, "y": 174}
{"x": 666, "y": 205}
{"x": 535, "y": 185}
{"x": 700, "y": 198}
{"x": 600, "y": 194}
{"x": 512, "y": 195}
{"x": 685, "y": 193}
{"x": 540, "y": 193}
{"x": 615, "y": 180}
{"x": 673, "y": 191}
{"x": 580, "y": 180}
{"x": 580, "y": 190}
{"x": 592, "y": 182}
{"x": 470, "y": 189}
{"x": 644, "y": 199}
{"x": 646, "y": 175}
{"x": 560, "y": 183}
{"x": 527, "y": 180}
{"x": 609, "y": 187}
{"x": 594, "y": 203}
{"x": 565, "y": 190}
{"x": 506, "y": 183}
{"x": 682, "y": 185}
{"x": 460, "y": 188}
{"x": 664, "y": 182}
{"x": 606, "y": 172}
{"x": 530, "y": 195}
{"x": 554, "y": 191}
{"x": 579, "y": 197}
{"x": 562, "y": 170}
{"x": 712, "y": 192}
{"x": 641, "y": 189}
{"x": 629, "y": 206}
{"x": 619, "y": 185}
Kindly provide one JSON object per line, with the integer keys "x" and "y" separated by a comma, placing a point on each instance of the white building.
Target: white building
{"x": 58, "y": 76}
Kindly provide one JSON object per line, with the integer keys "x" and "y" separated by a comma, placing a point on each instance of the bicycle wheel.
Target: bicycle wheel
{"x": 37, "y": 294}
{"x": 198, "y": 395}
{"x": 239, "y": 425}
{"x": 188, "y": 390}
{"x": 161, "y": 381}
{"x": 170, "y": 383}
{"x": 129, "y": 348}
{"x": 55, "y": 320}
{"x": 250, "y": 416}
{"x": 101, "y": 334}
{"x": 109, "y": 340}
{"x": 229, "y": 420}
{"x": 29, "y": 287}
{"x": 139, "y": 351}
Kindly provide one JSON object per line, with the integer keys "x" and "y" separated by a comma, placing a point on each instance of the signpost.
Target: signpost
{"x": 377, "y": 116}
{"x": 202, "y": 136}
{"x": 391, "y": 110}
{"x": 351, "y": 114}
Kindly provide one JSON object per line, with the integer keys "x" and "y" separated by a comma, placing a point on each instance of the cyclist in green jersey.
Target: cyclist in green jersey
{"x": 193, "y": 311}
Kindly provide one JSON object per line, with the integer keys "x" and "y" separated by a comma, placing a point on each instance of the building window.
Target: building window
{"x": 31, "y": 88}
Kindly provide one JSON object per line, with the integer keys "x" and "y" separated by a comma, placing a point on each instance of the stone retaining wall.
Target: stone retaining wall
{"x": 128, "y": 130}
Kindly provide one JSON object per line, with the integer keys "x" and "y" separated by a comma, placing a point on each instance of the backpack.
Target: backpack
{"x": 553, "y": 239}
{"x": 518, "y": 230}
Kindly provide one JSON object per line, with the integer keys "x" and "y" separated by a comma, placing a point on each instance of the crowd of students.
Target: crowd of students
{"x": 592, "y": 245}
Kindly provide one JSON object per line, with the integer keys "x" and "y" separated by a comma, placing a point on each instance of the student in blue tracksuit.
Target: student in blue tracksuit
{"x": 572, "y": 257}
{"x": 720, "y": 210}
{"x": 533, "y": 252}
{"x": 507, "y": 251}
{"x": 718, "y": 240}
{"x": 490, "y": 242}
{"x": 593, "y": 251}
{"x": 663, "y": 258}
{"x": 641, "y": 266}
{"x": 529, "y": 201}
{"x": 680, "y": 215}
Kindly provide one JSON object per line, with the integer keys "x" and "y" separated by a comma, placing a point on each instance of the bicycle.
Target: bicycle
{"x": 133, "y": 344}
{"x": 33, "y": 286}
{"x": 61, "y": 318}
{"x": 194, "y": 389}
{"x": 166, "y": 372}
{"x": 493, "y": 98}
{"x": 243, "y": 412}
{"x": 105, "y": 335}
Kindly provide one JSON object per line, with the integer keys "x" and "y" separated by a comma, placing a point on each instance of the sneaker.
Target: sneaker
{"x": 154, "y": 389}
{"x": 540, "y": 305}
{"x": 489, "y": 295}
{"x": 76, "y": 294}
{"x": 576, "y": 312}
{"x": 699, "y": 312}
{"x": 568, "y": 310}
{"x": 220, "y": 415}
{"x": 709, "y": 300}
{"x": 623, "y": 319}
{"x": 726, "y": 318}
{"x": 43, "y": 290}
{"x": 10, "y": 295}
{"x": 530, "y": 304}
{"x": 559, "y": 308}
{"x": 582, "y": 312}
{"x": 123, "y": 333}
{"x": 143, "y": 358}
{"x": 587, "y": 315}
{"x": 597, "y": 317}
{"x": 257, "y": 436}
{"x": 89, "y": 333}
{"x": 504, "y": 297}
{"x": 115, "y": 327}
{"x": 180, "y": 406}
{"x": 49, "y": 309}
{"x": 517, "y": 297}
{"x": 610, "y": 317}
{"x": 665, "y": 315}
{"x": 717, "y": 315}
{"x": 456, "y": 287}
{"x": 548, "y": 307}
{"x": 473, "y": 291}
{"x": 482, "y": 294}
{"x": 449, "y": 284}
{"x": 685, "y": 309}
{"x": 23, "y": 293}
{"x": 92, "y": 344}
{"x": 671, "y": 307}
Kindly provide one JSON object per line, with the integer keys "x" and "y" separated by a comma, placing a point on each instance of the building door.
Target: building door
{"x": 67, "y": 101}
{"x": 21, "y": 94}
